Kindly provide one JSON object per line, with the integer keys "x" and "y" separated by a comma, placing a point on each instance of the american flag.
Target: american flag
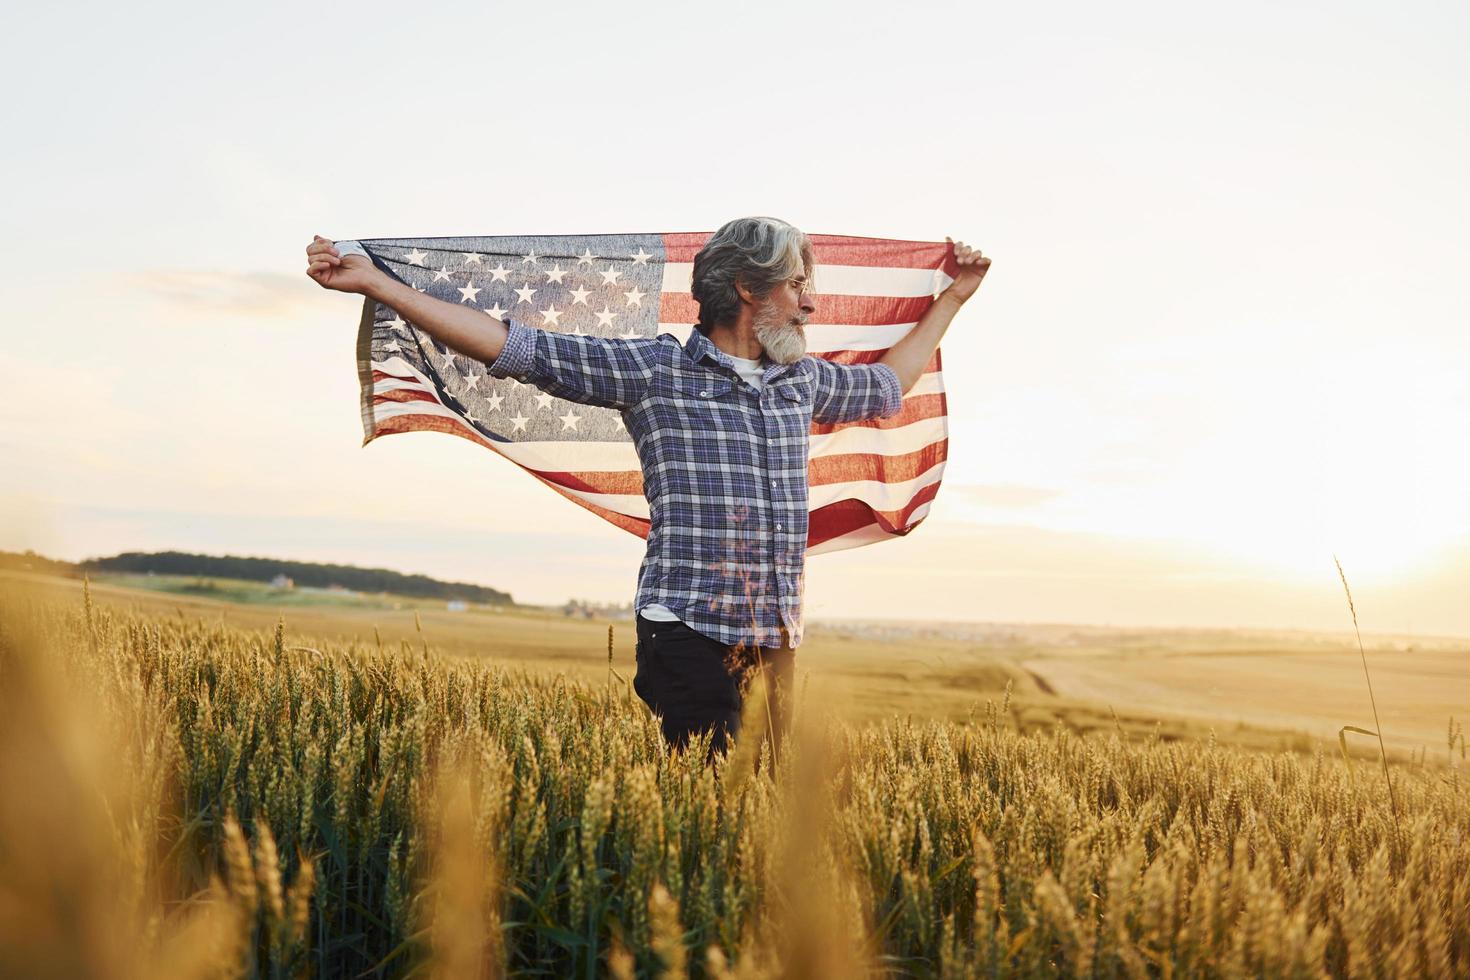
{"x": 868, "y": 481}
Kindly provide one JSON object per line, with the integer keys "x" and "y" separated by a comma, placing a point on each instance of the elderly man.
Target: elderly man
{"x": 721, "y": 423}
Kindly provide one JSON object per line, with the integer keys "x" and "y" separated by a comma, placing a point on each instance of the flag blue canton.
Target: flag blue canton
{"x": 595, "y": 285}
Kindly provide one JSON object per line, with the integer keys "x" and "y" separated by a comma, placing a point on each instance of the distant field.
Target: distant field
{"x": 260, "y": 593}
{"x": 1317, "y": 691}
{"x": 1262, "y": 689}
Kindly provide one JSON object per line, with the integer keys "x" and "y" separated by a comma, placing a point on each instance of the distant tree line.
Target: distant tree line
{"x": 310, "y": 574}
{"x": 29, "y": 561}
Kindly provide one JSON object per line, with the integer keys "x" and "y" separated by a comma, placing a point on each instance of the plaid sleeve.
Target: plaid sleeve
{"x": 851, "y": 393}
{"x": 588, "y": 370}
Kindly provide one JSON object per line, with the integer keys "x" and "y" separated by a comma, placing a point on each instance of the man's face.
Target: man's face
{"x": 780, "y": 322}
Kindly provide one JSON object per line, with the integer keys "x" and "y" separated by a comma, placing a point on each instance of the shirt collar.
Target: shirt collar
{"x": 699, "y": 347}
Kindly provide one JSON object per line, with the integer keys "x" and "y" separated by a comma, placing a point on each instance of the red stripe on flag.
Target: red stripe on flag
{"x": 427, "y": 423}
{"x": 914, "y": 408}
{"x": 683, "y": 246}
{"x": 846, "y": 516}
{"x": 870, "y": 357}
{"x": 404, "y": 395}
{"x": 821, "y": 470}
{"x": 600, "y": 481}
{"x": 844, "y": 467}
{"x": 633, "y": 524}
{"x": 380, "y": 375}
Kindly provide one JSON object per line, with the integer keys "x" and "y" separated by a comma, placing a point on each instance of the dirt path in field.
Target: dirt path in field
{"x": 1314, "y": 692}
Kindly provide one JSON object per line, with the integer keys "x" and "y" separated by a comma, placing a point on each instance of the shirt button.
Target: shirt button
{"x": 778, "y": 527}
{"x": 704, "y": 394}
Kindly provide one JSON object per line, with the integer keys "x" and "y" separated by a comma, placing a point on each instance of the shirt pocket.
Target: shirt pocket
{"x": 792, "y": 393}
{"x": 706, "y": 388}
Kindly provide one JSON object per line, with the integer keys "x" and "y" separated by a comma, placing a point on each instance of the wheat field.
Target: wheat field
{"x": 180, "y": 798}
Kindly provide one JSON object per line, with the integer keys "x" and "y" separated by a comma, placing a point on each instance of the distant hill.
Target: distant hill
{"x": 263, "y": 570}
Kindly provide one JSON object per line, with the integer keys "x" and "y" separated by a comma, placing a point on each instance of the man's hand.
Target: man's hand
{"x": 353, "y": 274}
{"x": 973, "y": 267}
{"x": 909, "y": 356}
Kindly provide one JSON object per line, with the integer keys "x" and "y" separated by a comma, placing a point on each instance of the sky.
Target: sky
{"x": 1224, "y": 336}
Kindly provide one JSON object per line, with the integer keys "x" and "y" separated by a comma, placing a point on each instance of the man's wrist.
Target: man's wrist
{"x": 379, "y": 287}
{"x": 950, "y": 300}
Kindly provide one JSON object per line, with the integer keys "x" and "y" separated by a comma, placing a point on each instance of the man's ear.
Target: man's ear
{"x": 746, "y": 296}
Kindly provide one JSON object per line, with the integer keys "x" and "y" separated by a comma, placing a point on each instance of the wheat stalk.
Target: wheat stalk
{"x": 1383, "y": 750}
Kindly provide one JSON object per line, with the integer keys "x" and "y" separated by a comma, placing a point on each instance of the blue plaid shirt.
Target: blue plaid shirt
{"x": 724, "y": 465}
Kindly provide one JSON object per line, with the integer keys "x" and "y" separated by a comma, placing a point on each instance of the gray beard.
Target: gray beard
{"x": 783, "y": 342}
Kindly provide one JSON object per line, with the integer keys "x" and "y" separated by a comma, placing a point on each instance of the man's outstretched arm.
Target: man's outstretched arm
{"x": 469, "y": 331}
{"x": 913, "y": 351}
{"x": 588, "y": 370}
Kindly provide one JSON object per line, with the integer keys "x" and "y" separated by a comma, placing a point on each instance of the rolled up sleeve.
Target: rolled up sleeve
{"x": 515, "y": 357}
{"x": 855, "y": 392}
{"x": 600, "y": 371}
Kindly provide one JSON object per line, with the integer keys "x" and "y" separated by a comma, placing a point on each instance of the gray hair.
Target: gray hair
{"x": 758, "y": 252}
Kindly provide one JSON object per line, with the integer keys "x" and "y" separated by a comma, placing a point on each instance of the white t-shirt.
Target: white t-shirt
{"x": 751, "y": 371}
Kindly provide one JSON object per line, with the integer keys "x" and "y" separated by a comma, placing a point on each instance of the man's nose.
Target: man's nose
{"x": 808, "y": 304}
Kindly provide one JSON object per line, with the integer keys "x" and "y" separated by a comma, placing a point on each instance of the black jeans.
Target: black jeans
{"x": 695, "y": 684}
